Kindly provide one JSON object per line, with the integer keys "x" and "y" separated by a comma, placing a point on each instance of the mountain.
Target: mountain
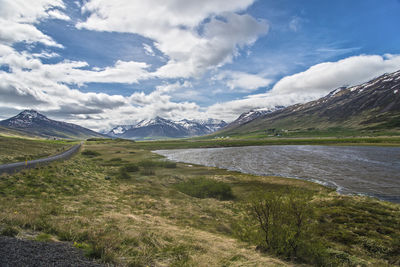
{"x": 118, "y": 130}
{"x": 32, "y": 123}
{"x": 250, "y": 116}
{"x": 372, "y": 106}
{"x": 159, "y": 128}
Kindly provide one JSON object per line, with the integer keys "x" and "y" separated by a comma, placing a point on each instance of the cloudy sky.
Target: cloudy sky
{"x": 100, "y": 63}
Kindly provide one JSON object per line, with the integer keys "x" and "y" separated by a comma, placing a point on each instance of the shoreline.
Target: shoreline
{"x": 327, "y": 184}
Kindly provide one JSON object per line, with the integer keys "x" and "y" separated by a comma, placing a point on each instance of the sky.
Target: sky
{"x": 101, "y": 63}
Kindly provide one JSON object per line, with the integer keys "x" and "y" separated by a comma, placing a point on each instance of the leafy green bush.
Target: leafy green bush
{"x": 206, "y": 188}
{"x": 90, "y": 153}
{"x": 287, "y": 225}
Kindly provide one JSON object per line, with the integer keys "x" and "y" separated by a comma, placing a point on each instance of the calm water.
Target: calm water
{"x": 373, "y": 171}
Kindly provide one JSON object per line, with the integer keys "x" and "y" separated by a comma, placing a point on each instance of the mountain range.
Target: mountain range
{"x": 32, "y": 123}
{"x": 371, "y": 106}
{"x": 158, "y": 128}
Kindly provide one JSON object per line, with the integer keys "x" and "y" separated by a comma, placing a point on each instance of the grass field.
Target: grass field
{"x": 14, "y": 149}
{"x": 123, "y": 204}
{"x": 204, "y": 142}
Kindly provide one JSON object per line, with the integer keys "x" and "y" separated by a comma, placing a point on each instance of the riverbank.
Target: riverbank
{"x": 119, "y": 186}
{"x": 204, "y": 142}
{"x": 362, "y": 170}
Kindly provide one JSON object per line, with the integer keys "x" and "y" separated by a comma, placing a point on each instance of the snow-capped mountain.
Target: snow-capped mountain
{"x": 118, "y": 130}
{"x": 252, "y": 115}
{"x": 371, "y": 106}
{"x": 31, "y": 122}
{"x": 158, "y": 127}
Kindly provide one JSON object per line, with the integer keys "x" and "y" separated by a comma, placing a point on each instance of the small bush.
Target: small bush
{"x": 90, "y": 153}
{"x": 115, "y": 159}
{"x": 131, "y": 167}
{"x": 123, "y": 174}
{"x": 147, "y": 171}
{"x": 148, "y": 164}
{"x": 206, "y": 188}
{"x": 169, "y": 165}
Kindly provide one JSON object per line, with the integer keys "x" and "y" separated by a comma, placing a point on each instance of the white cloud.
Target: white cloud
{"x": 12, "y": 32}
{"x": 180, "y": 30}
{"x": 17, "y": 19}
{"x": 320, "y": 79}
{"x": 311, "y": 84}
{"x": 241, "y": 81}
{"x": 47, "y": 88}
{"x": 57, "y": 14}
{"x": 148, "y": 50}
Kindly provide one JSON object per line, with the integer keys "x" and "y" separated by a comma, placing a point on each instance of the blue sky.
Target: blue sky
{"x": 101, "y": 63}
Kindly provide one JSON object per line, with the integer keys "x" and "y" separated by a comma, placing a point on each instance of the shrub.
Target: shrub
{"x": 123, "y": 174}
{"x": 286, "y": 225}
{"x": 131, "y": 167}
{"x": 148, "y": 163}
{"x": 148, "y": 167}
{"x": 147, "y": 171}
{"x": 90, "y": 153}
{"x": 206, "y": 188}
{"x": 115, "y": 159}
{"x": 169, "y": 164}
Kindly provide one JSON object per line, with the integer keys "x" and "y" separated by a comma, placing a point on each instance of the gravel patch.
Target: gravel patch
{"x": 18, "y": 252}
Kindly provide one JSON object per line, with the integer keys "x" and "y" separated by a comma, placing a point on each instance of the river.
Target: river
{"x": 364, "y": 170}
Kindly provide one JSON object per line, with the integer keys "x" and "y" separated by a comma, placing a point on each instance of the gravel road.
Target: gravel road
{"x": 18, "y": 166}
{"x": 17, "y": 252}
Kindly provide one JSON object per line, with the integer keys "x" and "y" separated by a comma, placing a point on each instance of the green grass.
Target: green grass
{"x": 90, "y": 153}
{"x": 206, "y": 188}
{"x": 162, "y": 215}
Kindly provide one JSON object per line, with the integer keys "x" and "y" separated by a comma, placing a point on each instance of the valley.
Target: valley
{"x": 119, "y": 186}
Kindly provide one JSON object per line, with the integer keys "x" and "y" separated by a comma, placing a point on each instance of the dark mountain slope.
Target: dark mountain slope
{"x": 374, "y": 105}
{"x": 35, "y": 124}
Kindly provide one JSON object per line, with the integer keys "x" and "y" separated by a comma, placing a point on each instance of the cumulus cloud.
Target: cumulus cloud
{"x": 241, "y": 81}
{"x": 47, "y": 88}
{"x": 315, "y": 82}
{"x": 18, "y": 19}
{"x": 57, "y": 14}
{"x": 180, "y": 30}
{"x": 320, "y": 79}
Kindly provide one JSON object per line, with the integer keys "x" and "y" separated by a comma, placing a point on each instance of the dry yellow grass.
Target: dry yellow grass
{"x": 143, "y": 220}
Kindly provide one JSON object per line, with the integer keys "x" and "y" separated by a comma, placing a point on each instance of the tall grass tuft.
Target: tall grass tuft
{"x": 206, "y": 188}
{"x": 90, "y": 153}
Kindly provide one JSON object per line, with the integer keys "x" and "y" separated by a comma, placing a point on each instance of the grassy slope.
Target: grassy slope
{"x": 15, "y": 149}
{"x": 144, "y": 220}
{"x": 8, "y": 132}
